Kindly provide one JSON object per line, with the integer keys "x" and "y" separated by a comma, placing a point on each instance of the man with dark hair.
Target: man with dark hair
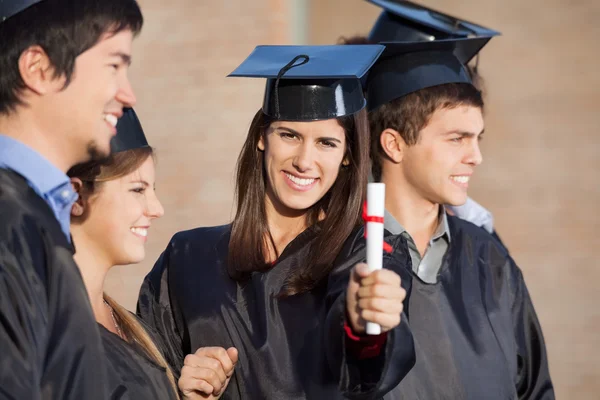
{"x": 63, "y": 86}
{"x": 475, "y": 329}
{"x": 406, "y": 21}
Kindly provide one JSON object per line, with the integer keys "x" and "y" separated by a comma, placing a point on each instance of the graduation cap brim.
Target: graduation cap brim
{"x": 309, "y": 83}
{"x": 325, "y": 62}
{"x": 10, "y": 8}
{"x": 464, "y": 49}
{"x": 409, "y": 21}
{"x": 130, "y": 134}
{"x": 406, "y": 67}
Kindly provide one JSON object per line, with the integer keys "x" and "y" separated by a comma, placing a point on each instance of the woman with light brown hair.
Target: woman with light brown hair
{"x": 109, "y": 225}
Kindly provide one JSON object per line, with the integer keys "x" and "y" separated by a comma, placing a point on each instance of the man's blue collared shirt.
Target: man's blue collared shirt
{"x": 47, "y": 180}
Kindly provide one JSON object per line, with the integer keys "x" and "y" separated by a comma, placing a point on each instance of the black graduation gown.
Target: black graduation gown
{"x": 500, "y": 242}
{"x": 476, "y": 332}
{"x": 50, "y": 347}
{"x": 132, "y": 373}
{"x": 288, "y": 349}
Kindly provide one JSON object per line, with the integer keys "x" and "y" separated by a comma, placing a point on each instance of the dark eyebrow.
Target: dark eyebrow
{"x": 285, "y": 128}
{"x": 290, "y": 130}
{"x": 465, "y": 134}
{"x": 125, "y": 58}
{"x": 331, "y": 139}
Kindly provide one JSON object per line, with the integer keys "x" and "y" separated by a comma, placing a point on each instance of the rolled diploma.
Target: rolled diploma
{"x": 375, "y": 208}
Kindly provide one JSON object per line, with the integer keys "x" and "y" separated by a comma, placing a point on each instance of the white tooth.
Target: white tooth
{"x": 300, "y": 181}
{"x": 140, "y": 231}
{"x": 461, "y": 179}
{"x": 111, "y": 119}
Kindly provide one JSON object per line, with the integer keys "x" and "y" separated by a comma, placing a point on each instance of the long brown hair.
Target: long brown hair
{"x": 341, "y": 205}
{"x": 93, "y": 174}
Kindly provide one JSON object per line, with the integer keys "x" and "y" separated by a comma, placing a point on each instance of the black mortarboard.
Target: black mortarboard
{"x": 130, "y": 134}
{"x": 408, "y": 21}
{"x": 309, "y": 83}
{"x": 406, "y": 67}
{"x": 8, "y": 8}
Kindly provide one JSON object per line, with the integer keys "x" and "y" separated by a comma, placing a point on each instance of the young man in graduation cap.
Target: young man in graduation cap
{"x": 63, "y": 85}
{"x": 405, "y": 21}
{"x": 476, "y": 332}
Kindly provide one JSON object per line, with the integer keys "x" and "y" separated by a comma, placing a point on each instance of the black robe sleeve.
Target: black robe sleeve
{"x": 373, "y": 377}
{"x": 19, "y": 363}
{"x": 50, "y": 347}
{"x": 533, "y": 379}
{"x": 500, "y": 242}
{"x": 159, "y": 311}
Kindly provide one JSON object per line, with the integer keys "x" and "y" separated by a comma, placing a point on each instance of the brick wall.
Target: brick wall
{"x": 541, "y": 163}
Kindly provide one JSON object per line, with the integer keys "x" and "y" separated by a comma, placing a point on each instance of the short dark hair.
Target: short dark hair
{"x": 409, "y": 114}
{"x": 357, "y": 39}
{"x": 64, "y": 29}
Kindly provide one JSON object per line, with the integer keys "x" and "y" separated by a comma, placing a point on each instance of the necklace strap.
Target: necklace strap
{"x": 114, "y": 319}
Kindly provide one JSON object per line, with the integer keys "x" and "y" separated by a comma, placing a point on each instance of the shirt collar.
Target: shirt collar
{"x": 443, "y": 228}
{"x": 391, "y": 224}
{"x": 395, "y": 228}
{"x": 475, "y": 213}
{"x": 41, "y": 174}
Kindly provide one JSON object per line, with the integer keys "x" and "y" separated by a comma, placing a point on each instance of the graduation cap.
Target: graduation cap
{"x": 9, "y": 8}
{"x": 406, "y": 67}
{"x": 130, "y": 134}
{"x": 407, "y": 21}
{"x": 309, "y": 83}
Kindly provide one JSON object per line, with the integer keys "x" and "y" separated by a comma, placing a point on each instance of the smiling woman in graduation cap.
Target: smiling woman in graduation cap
{"x": 109, "y": 224}
{"x": 273, "y": 283}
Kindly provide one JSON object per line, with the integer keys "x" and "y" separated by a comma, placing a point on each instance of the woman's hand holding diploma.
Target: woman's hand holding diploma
{"x": 374, "y": 296}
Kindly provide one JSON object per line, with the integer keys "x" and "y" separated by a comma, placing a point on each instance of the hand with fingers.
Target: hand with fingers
{"x": 374, "y": 297}
{"x": 206, "y": 373}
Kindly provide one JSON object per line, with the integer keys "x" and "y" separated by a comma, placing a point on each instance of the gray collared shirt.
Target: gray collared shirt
{"x": 427, "y": 267}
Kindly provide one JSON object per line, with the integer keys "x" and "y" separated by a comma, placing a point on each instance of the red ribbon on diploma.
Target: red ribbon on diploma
{"x": 370, "y": 218}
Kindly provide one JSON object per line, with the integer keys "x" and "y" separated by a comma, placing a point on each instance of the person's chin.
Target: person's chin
{"x": 299, "y": 205}
{"x": 136, "y": 258}
{"x": 456, "y": 200}
{"x": 98, "y": 151}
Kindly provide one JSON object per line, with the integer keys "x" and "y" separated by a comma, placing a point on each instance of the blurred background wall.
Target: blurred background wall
{"x": 540, "y": 175}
